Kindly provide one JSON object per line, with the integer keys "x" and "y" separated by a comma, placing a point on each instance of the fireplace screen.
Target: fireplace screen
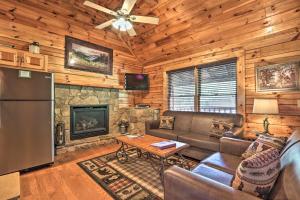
{"x": 88, "y": 121}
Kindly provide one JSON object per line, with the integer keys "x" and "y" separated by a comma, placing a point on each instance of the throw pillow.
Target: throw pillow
{"x": 264, "y": 142}
{"x": 167, "y": 122}
{"x": 218, "y": 128}
{"x": 257, "y": 174}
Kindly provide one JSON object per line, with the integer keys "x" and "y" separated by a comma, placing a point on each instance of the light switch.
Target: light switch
{"x": 298, "y": 103}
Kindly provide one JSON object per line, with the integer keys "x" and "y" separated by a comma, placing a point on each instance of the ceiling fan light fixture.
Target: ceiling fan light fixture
{"x": 122, "y": 24}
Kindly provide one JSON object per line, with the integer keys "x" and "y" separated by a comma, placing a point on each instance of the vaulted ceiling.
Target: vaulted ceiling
{"x": 186, "y": 26}
{"x": 190, "y": 26}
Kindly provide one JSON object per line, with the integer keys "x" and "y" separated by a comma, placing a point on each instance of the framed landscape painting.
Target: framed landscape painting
{"x": 278, "y": 77}
{"x": 86, "y": 56}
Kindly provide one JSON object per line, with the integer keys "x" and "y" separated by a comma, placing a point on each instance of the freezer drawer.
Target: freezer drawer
{"x": 26, "y": 135}
{"x": 33, "y": 86}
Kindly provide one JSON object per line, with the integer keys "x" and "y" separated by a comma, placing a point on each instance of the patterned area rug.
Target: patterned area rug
{"x": 136, "y": 180}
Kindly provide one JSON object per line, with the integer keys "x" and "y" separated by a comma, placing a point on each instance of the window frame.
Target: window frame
{"x": 168, "y": 86}
{"x": 197, "y": 84}
{"x": 222, "y": 62}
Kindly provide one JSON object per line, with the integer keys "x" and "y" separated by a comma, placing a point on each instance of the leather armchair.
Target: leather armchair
{"x": 181, "y": 184}
{"x": 211, "y": 179}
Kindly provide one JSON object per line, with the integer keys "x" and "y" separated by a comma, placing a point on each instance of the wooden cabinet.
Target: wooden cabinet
{"x": 23, "y": 59}
{"x": 8, "y": 56}
{"x": 33, "y": 61}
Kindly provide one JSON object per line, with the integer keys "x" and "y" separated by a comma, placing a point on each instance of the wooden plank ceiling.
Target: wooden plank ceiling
{"x": 186, "y": 26}
{"x": 57, "y": 17}
{"x": 190, "y": 26}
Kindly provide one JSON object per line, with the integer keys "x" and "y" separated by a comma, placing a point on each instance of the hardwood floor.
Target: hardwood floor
{"x": 65, "y": 179}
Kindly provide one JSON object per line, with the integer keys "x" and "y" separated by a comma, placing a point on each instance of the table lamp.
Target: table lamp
{"x": 265, "y": 106}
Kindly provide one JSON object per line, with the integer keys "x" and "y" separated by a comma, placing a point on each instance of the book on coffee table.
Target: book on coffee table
{"x": 164, "y": 144}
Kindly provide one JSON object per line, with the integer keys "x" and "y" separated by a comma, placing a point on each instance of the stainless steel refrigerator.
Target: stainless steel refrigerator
{"x": 26, "y": 119}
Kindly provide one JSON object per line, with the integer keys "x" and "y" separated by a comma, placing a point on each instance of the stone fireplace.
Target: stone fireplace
{"x": 88, "y": 121}
{"x": 80, "y": 100}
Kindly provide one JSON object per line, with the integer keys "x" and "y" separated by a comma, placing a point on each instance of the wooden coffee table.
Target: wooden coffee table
{"x": 143, "y": 147}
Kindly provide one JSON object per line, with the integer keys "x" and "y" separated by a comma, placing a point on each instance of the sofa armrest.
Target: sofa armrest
{"x": 151, "y": 124}
{"x": 233, "y": 146}
{"x": 180, "y": 184}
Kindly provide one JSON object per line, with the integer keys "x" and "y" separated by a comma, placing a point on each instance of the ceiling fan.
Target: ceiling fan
{"x": 123, "y": 20}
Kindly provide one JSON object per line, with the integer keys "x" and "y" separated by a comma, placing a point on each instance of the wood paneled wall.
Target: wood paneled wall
{"x": 267, "y": 32}
{"x": 47, "y": 22}
{"x": 190, "y": 33}
{"x": 277, "y": 49}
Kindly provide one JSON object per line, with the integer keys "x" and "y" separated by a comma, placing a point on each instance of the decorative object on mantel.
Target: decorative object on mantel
{"x": 278, "y": 77}
{"x": 265, "y": 106}
{"x": 34, "y": 47}
{"x": 123, "y": 125}
{"x": 86, "y": 56}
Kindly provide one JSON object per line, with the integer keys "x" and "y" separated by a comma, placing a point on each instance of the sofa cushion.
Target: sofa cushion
{"x": 199, "y": 140}
{"x": 183, "y": 120}
{"x": 202, "y": 121}
{"x": 219, "y": 128}
{"x": 264, "y": 142}
{"x": 257, "y": 174}
{"x": 214, "y": 174}
{"x": 167, "y": 122}
{"x": 163, "y": 133}
{"x": 222, "y": 161}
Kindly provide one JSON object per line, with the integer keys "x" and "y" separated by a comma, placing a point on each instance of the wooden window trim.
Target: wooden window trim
{"x": 206, "y": 59}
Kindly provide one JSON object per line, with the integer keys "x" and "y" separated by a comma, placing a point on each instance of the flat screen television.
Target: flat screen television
{"x": 136, "y": 81}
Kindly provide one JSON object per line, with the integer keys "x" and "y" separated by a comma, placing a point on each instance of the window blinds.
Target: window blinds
{"x": 181, "y": 90}
{"x": 217, "y": 87}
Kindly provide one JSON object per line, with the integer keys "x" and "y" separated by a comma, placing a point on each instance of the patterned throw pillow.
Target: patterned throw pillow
{"x": 218, "y": 128}
{"x": 264, "y": 142}
{"x": 167, "y": 122}
{"x": 257, "y": 174}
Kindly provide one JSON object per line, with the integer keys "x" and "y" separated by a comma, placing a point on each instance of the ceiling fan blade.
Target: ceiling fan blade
{"x": 105, "y": 24}
{"x": 100, "y": 8}
{"x": 127, "y": 6}
{"x": 144, "y": 19}
{"x": 131, "y": 32}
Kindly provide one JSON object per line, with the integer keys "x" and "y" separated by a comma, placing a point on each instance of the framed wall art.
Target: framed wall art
{"x": 278, "y": 77}
{"x": 86, "y": 56}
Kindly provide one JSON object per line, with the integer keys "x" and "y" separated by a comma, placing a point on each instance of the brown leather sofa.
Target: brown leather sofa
{"x": 211, "y": 179}
{"x": 193, "y": 128}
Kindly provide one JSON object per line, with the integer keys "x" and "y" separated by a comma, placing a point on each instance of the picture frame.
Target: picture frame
{"x": 278, "y": 77}
{"x": 86, "y": 56}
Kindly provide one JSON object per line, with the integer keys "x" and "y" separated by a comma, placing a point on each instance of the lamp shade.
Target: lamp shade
{"x": 265, "y": 106}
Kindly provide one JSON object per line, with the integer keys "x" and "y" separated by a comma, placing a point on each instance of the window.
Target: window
{"x": 217, "y": 87}
{"x": 182, "y": 90}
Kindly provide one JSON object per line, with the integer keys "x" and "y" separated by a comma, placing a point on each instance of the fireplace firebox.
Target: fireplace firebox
{"x": 89, "y": 121}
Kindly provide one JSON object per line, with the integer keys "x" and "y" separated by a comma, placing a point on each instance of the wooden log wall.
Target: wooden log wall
{"x": 48, "y": 22}
{"x": 268, "y": 35}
